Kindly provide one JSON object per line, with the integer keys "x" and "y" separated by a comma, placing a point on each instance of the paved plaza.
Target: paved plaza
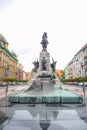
{"x": 43, "y": 116}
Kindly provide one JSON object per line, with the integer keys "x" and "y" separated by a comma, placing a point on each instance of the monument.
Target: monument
{"x": 45, "y": 86}
{"x": 44, "y": 69}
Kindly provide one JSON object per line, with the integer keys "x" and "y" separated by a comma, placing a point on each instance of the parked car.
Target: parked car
{"x": 76, "y": 83}
{"x": 85, "y": 84}
{"x": 81, "y": 84}
{"x": 0, "y": 84}
{"x": 13, "y": 84}
{"x": 4, "y": 84}
{"x": 71, "y": 83}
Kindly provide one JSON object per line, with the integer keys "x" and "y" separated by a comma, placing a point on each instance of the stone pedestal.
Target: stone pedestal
{"x": 48, "y": 70}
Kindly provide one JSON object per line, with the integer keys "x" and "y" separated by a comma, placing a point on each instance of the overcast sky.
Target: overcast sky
{"x": 23, "y": 22}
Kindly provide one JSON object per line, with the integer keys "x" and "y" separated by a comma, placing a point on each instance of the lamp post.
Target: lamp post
{"x": 82, "y": 67}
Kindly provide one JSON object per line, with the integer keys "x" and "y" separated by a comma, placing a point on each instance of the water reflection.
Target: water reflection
{"x": 42, "y": 117}
{"x": 44, "y": 124}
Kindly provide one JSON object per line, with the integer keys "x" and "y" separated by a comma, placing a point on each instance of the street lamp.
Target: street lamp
{"x": 82, "y": 67}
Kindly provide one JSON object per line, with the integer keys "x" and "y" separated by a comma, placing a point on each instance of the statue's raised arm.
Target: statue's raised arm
{"x": 44, "y": 41}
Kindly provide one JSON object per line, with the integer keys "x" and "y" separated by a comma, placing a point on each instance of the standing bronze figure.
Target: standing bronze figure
{"x": 44, "y": 41}
{"x": 44, "y": 64}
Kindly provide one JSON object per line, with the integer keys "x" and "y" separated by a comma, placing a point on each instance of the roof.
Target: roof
{"x": 12, "y": 55}
{"x": 2, "y": 38}
{"x": 59, "y": 72}
{"x": 9, "y": 53}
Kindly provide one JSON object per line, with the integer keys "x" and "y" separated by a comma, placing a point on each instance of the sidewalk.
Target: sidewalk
{"x": 11, "y": 90}
{"x": 74, "y": 89}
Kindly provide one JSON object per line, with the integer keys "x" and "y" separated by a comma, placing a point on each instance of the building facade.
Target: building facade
{"x": 78, "y": 65}
{"x": 59, "y": 73}
{"x": 28, "y": 76}
{"x": 24, "y": 75}
{"x": 8, "y": 60}
{"x": 19, "y": 72}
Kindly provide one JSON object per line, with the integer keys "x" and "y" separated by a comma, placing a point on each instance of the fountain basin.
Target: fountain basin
{"x": 49, "y": 96}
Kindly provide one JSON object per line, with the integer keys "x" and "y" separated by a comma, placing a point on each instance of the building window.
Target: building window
{"x": 4, "y": 63}
{"x": 2, "y": 55}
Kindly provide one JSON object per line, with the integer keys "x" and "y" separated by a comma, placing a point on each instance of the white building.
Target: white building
{"x": 77, "y": 67}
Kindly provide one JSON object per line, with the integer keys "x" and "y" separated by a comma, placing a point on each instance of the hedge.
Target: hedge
{"x": 13, "y": 80}
{"x": 81, "y": 79}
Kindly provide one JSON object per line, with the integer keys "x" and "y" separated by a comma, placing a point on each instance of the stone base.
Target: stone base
{"x": 47, "y": 58}
{"x": 46, "y": 99}
{"x": 44, "y": 74}
{"x": 49, "y": 93}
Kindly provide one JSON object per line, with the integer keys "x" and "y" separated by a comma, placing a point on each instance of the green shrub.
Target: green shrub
{"x": 13, "y": 80}
{"x": 80, "y": 79}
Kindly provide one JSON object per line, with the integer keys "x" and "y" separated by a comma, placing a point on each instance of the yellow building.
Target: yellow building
{"x": 8, "y": 60}
{"x": 19, "y": 73}
{"x": 28, "y": 75}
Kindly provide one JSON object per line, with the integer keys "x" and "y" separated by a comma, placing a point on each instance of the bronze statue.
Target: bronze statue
{"x": 36, "y": 65}
{"x": 53, "y": 65}
{"x": 44, "y": 41}
{"x": 44, "y": 63}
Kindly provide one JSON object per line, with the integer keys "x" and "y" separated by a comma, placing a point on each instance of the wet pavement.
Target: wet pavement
{"x": 43, "y": 117}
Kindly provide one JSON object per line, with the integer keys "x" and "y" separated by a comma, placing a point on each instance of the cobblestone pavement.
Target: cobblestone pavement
{"x": 11, "y": 90}
{"x": 75, "y": 89}
{"x": 15, "y": 89}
